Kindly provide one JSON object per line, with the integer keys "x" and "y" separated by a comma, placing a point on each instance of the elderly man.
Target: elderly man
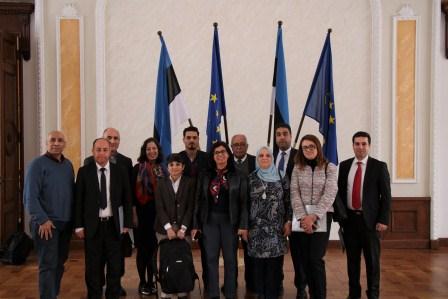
{"x": 101, "y": 188}
{"x": 113, "y": 135}
{"x": 245, "y": 164}
{"x": 48, "y": 198}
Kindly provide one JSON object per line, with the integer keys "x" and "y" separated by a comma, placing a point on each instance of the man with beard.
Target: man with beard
{"x": 196, "y": 161}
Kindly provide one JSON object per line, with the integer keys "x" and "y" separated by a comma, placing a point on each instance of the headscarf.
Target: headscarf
{"x": 269, "y": 174}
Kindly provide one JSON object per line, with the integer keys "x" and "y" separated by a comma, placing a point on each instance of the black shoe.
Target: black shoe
{"x": 122, "y": 292}
{"x": 183, "y": 297}
{"x": 142, "y": 289}
{"x": 352, "y": 297}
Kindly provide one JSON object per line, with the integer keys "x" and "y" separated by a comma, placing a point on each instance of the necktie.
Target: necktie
{"x": 239, "y": 161}
{"x": 356, "y": 191}
{"x": 281, "y": 164}
{"x": 103, "y": 203}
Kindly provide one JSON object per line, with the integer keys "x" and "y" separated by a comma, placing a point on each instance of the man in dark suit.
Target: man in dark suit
{"x": 113, "y": 135}
{"x": 284, "y": 161}
{"x": 364, "y": 187}
{"x": 101, "y": 188}
{"x": 245, "y": 164}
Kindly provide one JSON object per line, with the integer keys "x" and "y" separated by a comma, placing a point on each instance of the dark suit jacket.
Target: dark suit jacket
{"x": 290, "y": 165}
{"x": 238, "y": 194}
{"x": 251, "y": 161}
{"x": 122, "y": 161}
{"x": 166, "y": 209}
{"x": 87, "y": 198}
{"x": 376, "y": 194}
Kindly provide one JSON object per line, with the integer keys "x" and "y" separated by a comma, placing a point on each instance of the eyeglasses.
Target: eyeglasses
{"x": 310, "y": 147}
{"x": 223, "y": 152}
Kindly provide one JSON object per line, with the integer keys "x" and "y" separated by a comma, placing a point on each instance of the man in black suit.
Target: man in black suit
{"x": 284, "y": 161}
{"x": 113, "y": 135}
{"x": 101, "y": 188}
{"x": 364, "y": 187}
{"x": 245, "y": 164}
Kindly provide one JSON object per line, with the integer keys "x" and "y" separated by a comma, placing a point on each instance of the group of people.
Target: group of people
{"x": 215, "y": 198}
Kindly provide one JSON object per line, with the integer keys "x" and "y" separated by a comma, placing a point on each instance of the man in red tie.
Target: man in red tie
{"x": 364, "y": 187}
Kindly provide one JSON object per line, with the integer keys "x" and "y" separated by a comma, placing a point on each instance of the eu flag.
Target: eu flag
{"x": 320, "y": 104}
{"x": 216, "y": 104}
{"x": 170, "y": 110}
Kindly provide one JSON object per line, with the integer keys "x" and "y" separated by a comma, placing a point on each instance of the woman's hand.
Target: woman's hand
{"x": 194, "y": 232}
{"x": 243, "y": 234}
{"x": 171, "y": 234}
{"x": 287, "y": 228}
{"x": 307, "y": 223}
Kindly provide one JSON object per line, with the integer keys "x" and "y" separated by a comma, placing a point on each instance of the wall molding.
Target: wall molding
{"x": 436, "y": 149}
{"x": 69, "y": 12}
{"x": 100, "y": 36}
{"x": 406, "y": 13}
{"x": 39, "y": 18}
{"x": 376, "y": 77}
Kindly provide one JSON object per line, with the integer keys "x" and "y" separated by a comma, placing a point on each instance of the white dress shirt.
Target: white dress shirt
{"x": 279, "y": 157}
{"x": 351, "y": 178}
{"x": 107, "y": 212}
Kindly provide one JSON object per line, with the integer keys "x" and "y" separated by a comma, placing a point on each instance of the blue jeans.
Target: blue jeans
{"x": 51, "y": 254}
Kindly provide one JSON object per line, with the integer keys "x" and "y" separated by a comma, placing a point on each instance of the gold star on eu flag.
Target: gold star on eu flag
{"x": 218, "y": 129}
{"x": 331, "y": 105}
{"x": 213, "y": 98}
{"x": 331, "y": 120}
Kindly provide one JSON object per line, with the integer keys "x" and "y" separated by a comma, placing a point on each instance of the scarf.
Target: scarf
{"x": 146, "y": 183}
{"x": 269, "y": 174}
{"x": 220, "y": 180}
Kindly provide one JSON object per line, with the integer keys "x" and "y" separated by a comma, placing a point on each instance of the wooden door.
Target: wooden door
{"x": 10, "y": 136}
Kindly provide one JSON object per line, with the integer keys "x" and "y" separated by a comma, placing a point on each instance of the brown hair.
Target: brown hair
{"x": 300, "y": 157}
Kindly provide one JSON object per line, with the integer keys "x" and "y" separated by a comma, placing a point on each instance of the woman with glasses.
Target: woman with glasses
{"x": 221, "y": 215}
{"x": 145, "y": 175}
{"x": 270, "y": 216}
{"x": 313, "y": 190}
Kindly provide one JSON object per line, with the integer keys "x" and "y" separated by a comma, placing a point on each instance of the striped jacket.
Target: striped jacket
{"x": 314, "y": 188}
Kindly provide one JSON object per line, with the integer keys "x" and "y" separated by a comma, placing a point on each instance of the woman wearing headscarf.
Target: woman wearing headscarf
{"x": 145, "y": 175}
{"x": 221, "y": 214}
{"x": 313, "y": 190}
{"x": 269, "y": 223}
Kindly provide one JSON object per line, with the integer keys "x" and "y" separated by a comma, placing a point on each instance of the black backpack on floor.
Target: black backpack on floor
{"x": 16, "y": 250}
{"x": 176, "y": 270}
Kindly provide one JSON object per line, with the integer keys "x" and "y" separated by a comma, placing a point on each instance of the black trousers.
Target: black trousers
{"x": 359, "y": 238}
{"x": 248, "y": 269}
{"x": 268, "y": 276}
{"x": 299, "y": 271}
{"x": 311, "y": 249}
{"x": 105, "y": 244}
{"x": 145, "y": 241}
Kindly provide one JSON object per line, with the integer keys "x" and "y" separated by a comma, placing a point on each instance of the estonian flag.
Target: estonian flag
{"x": 170, "y": 111}
{"x": 320, "y": 104}
{"x": 279, "y": 102}
{"x": 216, "y": 104}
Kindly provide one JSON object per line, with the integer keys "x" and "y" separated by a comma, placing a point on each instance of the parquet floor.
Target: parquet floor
{"x": 406, "y": 273}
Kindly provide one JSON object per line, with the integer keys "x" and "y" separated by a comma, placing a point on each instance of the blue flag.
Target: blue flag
{"x": 216, "y": 104}
{"x": 279, "y": 105}
{"x": 170, "y": 110}
{"x": 320, "y": 104}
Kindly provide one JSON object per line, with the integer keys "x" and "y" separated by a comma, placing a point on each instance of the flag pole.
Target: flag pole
{"x": 303, "y": 116}
{"x": 215, "y": 24}
{"x": 272, "y": 101}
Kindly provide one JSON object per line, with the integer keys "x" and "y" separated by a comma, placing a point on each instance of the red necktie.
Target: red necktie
{"x": 356, "y": 192}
